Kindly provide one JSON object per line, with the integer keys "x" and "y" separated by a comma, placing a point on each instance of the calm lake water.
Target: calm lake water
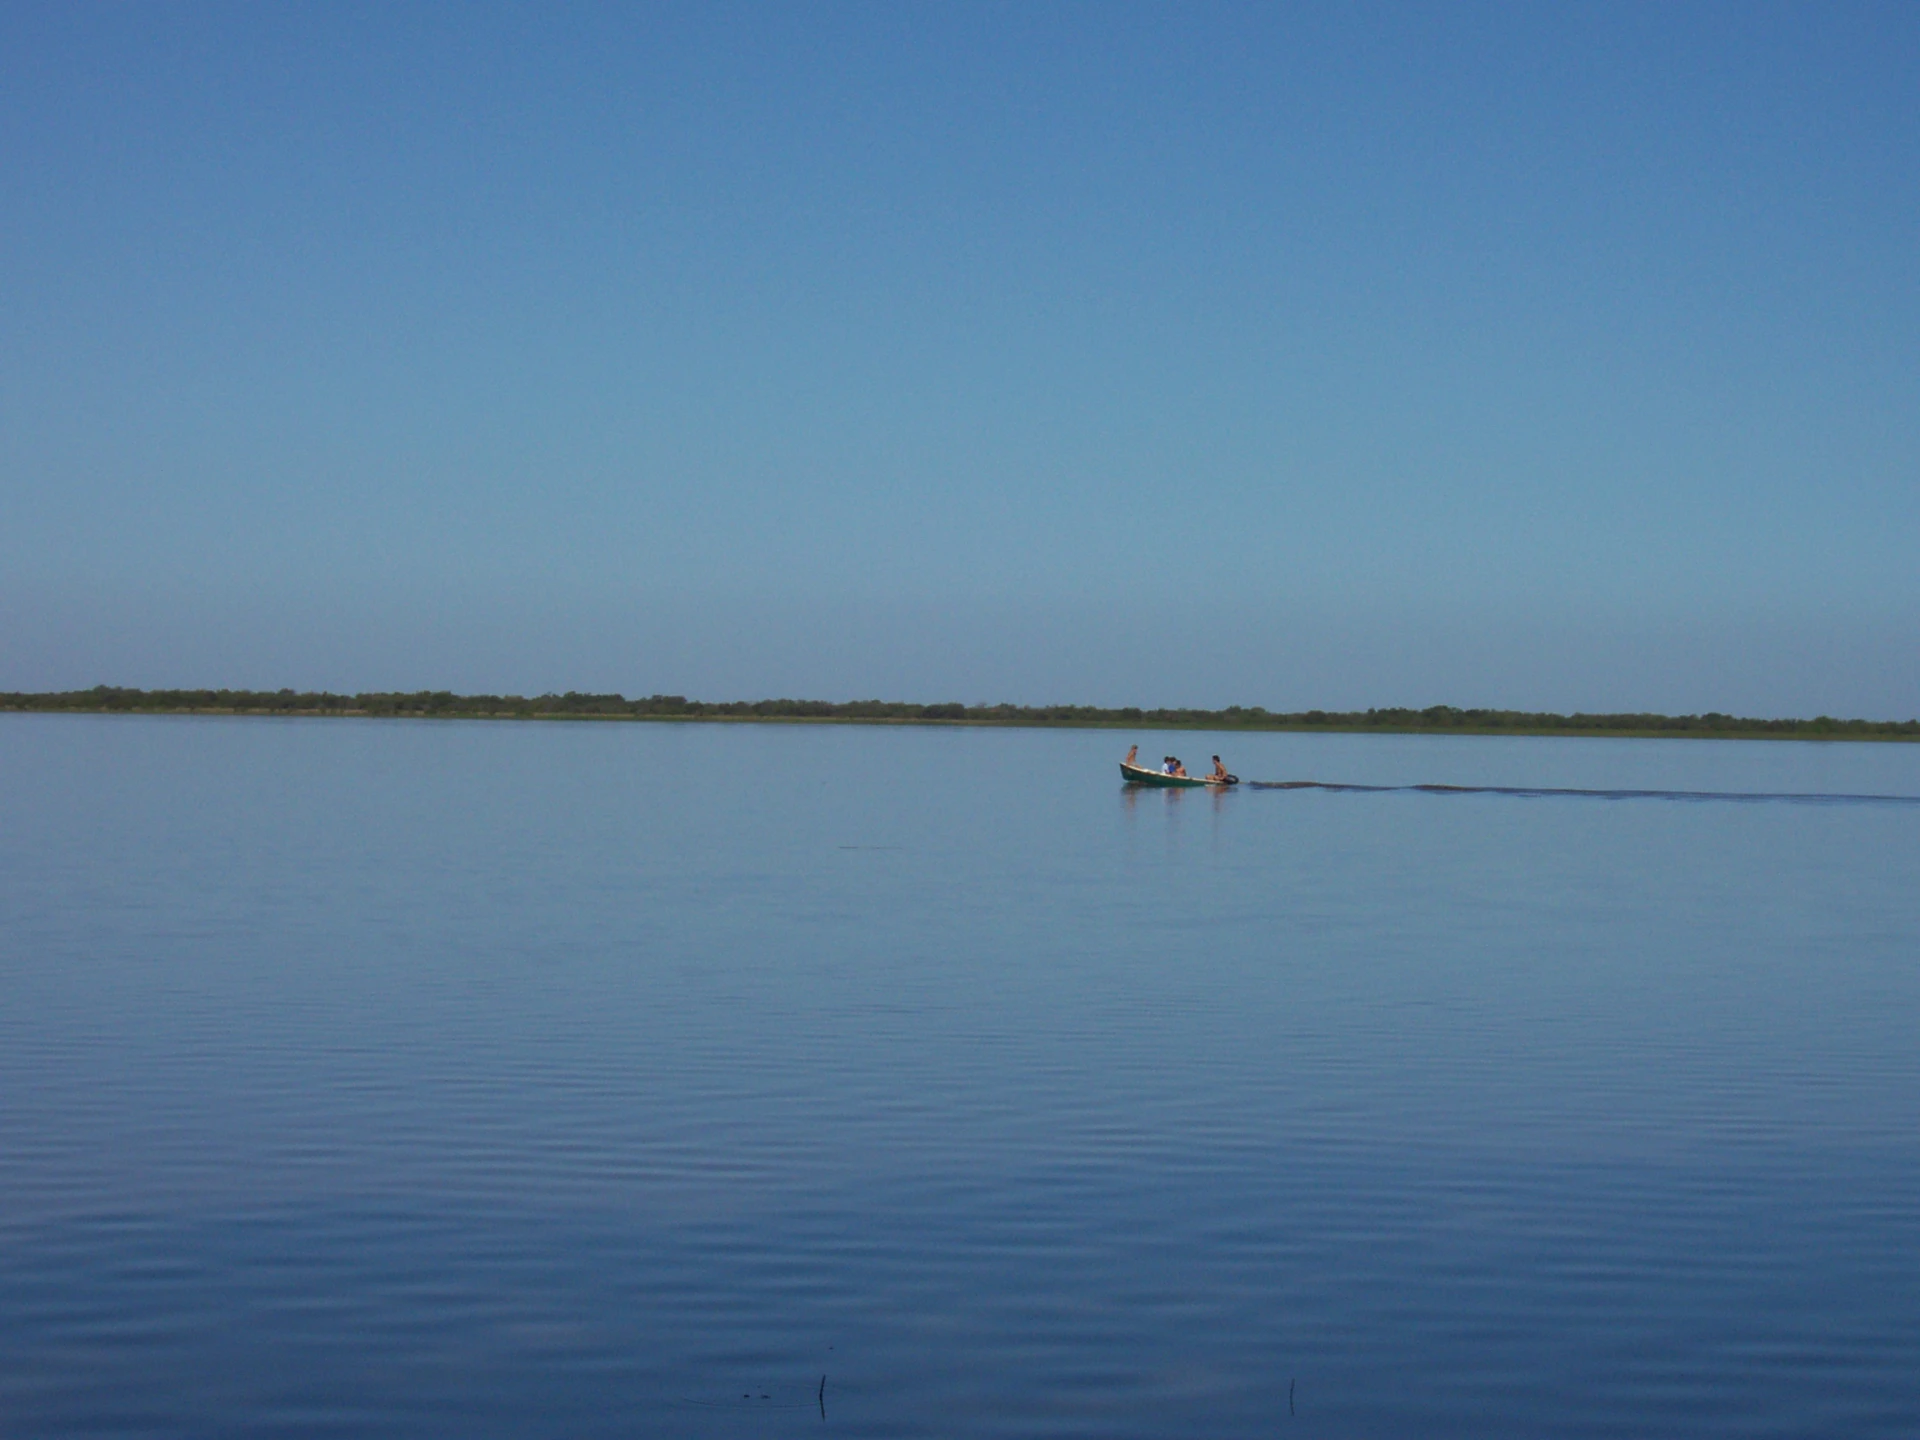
{"x": 490, "y": 1079}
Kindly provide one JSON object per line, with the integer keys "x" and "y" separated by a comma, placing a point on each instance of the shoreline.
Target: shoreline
{"x": 1437, "y": 720}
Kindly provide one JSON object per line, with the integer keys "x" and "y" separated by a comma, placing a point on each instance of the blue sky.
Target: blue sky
{"x": 1547, "y": 356}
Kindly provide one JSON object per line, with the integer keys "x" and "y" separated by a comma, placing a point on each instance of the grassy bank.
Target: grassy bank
{"x": 1443, "y": 719}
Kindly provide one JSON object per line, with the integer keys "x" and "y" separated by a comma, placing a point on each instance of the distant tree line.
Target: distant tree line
{"x": 573, "y": 704}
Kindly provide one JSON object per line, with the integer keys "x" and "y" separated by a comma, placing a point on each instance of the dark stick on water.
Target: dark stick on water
{"x": 823, "y": 1397}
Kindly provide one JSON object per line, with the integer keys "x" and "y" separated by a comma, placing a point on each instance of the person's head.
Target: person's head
{"x": 1216, "y": 759}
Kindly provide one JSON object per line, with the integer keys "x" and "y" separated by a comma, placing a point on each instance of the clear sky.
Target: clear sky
{"x": 1538, "y": 355}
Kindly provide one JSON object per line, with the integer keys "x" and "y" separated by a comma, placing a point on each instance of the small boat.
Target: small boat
{"x": 1140, "y": 775}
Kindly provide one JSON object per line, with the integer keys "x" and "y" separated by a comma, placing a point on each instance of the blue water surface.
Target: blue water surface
{"x": 586, "y": 1079}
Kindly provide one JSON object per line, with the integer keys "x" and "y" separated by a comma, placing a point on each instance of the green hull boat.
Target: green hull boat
{"x": 1137, "y": 775}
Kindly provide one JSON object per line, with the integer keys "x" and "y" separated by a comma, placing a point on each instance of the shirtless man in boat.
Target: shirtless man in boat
{"x": 1132, "y": 750}
{"x": 1219, "y": 771}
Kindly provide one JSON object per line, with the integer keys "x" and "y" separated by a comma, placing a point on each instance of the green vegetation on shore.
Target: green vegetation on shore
{"x": 573, "y": 706}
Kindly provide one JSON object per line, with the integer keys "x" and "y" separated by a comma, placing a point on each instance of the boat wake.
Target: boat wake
{"x": 1542, "y": 792}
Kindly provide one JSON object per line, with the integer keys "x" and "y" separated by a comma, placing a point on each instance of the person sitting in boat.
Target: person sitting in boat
{"x": 1220, "y": 771}
{"x": 1132, "y": 750}
{"x": 1174, "y": 767}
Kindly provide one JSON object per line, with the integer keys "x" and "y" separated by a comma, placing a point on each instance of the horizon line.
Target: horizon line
{"x": 578, "y": 705}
